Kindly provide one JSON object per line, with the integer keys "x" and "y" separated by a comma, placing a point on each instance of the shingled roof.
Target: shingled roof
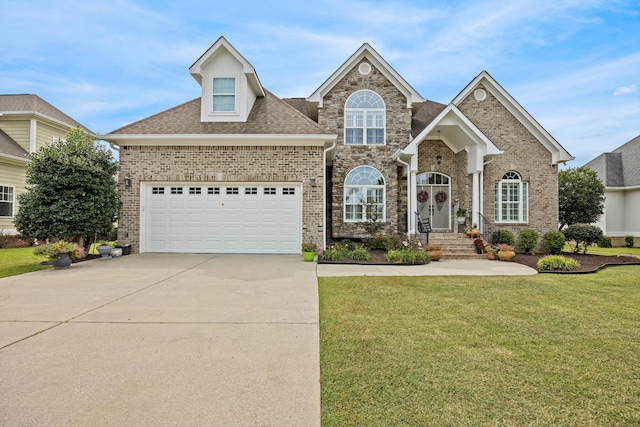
{"x": 269, "y": 115}
{"x": 11, "y": 148}
{"x": 423, "y": 114}
{"x": 33, "y": 104}
{"x": 621, "y": 167}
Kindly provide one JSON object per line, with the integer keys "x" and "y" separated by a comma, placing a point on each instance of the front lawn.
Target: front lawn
{"x": 542, "y": 350}
{"x": 18, "y": 261}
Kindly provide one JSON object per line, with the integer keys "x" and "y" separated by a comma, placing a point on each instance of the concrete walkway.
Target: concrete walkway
{"x": 153, "y": 339}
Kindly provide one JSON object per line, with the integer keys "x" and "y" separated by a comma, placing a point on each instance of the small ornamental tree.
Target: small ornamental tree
{"x": 580, "y": 196}
{"x": 71, "y": 190}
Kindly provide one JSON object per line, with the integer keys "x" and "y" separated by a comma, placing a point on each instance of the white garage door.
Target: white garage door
{"x": 261, "y": 218}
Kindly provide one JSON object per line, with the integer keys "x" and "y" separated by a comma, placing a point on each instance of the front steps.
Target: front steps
{"x": 456, "y": 245}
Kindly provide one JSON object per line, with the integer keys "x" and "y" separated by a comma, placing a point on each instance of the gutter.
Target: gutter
{"x": 324, "y": 192}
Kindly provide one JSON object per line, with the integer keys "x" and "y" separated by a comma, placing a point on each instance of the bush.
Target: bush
{"x": 528, "y": 240}
{"x": 584, "y": 235}
{"x": 628, "y": 241}
{"x": 408, "y": 257}
{"x": 557, "y": 262}
{"x": 360, "y": 253}
{"x": 553, "y": 242}
{"x": 604, "y": 242}
{"x": 502, "y": 236}
{"x": 335, "y": 252}
{"x": 381, "y": 241}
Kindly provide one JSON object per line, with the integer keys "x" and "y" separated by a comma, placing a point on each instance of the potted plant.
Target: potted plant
{"x": 505, "y": 252}
{"x": 435, "y": 251}
{"x": 60, "y": 253}
{"x": 491, "y": 253}
{"x": 479, "y": 244}
{"x": 104, "y": 248}
{"x": 308, "y": 251}
{"x": 461, "y": 213}
{"x": 475, "y": 231}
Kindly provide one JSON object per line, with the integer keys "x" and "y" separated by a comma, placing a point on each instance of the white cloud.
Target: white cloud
{"x": 625, "y": 90}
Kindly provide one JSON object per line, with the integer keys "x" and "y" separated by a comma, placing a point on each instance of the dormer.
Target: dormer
{"x": 229, "y": 84}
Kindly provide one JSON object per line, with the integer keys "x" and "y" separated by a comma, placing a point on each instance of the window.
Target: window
{"x": 289, "y": 191}
{"x": 251, "y": 190}
{"x": 232, "y": 190}
{"x": 213, "y": 190}
{"x": 269, "y": 190}
{"x": 195, "y": 190}
{"x": 157, "y": 190}
{"x": 224, "y": 94}
{"x": 511, "y": 199}
{"x": 364, "y": 119}
{"x": 6, "y": 201}
{"x": 176, "y": 190}
{"x": 364, "y": 195}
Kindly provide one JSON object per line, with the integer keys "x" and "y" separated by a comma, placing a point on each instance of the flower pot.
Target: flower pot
{"x": 480, "y": 250}
{"x": 308, "y": 256}
{"x": 62, "y": 260}
{"x": 105, "y": 251}
{"x": 491, "y": 255}
{"x": 126, "y": 249}
{"x": 435, "y": 255}
{"x": 506, "y": 255}
{"x": 461, "y": 219}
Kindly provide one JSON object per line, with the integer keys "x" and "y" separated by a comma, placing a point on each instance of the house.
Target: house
{"x": 619, "y": 171}
{"x": 27, "y": 122}
{"x": 240, "y": 170}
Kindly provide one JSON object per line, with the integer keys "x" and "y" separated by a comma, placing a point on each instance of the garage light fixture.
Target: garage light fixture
{"x": 312, "y": 181}
{"x": 127, "y": 180}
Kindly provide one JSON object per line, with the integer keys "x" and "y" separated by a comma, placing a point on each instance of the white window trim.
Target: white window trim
{"x": 13, "y": 202}
{"x": 522, "y": 212}
{"x": 362, "y": 203}
{"x": 235, "y": 95}
{"x": 364, "y": 112}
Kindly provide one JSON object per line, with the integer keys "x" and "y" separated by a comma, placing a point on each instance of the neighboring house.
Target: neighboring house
{"x": 241, "y": 170}
{"x": 27, "y": 122}
{"x": 619, "y": 171}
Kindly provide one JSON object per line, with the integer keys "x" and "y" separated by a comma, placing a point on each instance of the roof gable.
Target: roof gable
{"x": 222, "y": 44}
{"x": 29, "y": 104}
{"x": 559, "y": 154}
{"x": 10, "y": 149}
{"x": 366, "y": 51}
{"x": 620, "y": 167}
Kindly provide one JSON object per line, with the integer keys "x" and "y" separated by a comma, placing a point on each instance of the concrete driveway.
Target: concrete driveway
{"x": 155, "y": 339}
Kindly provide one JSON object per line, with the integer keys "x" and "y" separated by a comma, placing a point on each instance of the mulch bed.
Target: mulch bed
{"x": 588, "y": 263}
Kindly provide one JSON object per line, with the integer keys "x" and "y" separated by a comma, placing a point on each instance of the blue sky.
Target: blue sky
{"x": 574, "y": 64}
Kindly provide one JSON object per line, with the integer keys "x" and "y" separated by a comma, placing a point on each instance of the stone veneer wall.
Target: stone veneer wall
{"x": 221, "y": 164}
{"x": 524, "y": 154}
{"x": 398, "y": 128}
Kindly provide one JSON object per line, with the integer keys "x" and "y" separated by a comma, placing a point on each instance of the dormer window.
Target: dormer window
{"x": 224, "y": 94}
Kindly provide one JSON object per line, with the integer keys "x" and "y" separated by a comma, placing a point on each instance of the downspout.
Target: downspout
{"x": 409, "y": 191}
{"x": 324, "y": 193}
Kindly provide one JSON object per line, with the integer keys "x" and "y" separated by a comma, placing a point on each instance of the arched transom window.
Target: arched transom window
{"x": 364, "y": 119}
{"x": 512, "y": 199}
{"x": 364, "y": 195}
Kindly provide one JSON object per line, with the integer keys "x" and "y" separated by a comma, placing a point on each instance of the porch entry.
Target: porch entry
{"x": 433, "y": 193}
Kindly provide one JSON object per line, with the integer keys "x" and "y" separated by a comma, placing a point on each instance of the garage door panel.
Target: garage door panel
{"x": 268, "y": 221}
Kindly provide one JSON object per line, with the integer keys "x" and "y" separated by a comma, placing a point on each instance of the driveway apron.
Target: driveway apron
{"x": 162, "y": 339}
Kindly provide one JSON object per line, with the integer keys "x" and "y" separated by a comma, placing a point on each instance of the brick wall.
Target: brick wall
{"x": 398, "y": 128}
{"x": 221, "y": 164}
{"x": 524, "y": 154}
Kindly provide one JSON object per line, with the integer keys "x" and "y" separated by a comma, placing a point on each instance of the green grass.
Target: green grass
{"x": 614, "y": 251}
{"x": 19, "y": 261}
{"x": 543, "y": 350}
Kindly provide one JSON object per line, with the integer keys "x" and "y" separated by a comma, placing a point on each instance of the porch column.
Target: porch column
{"x": 411, "y": 202}
{"x": 475, "y": 199}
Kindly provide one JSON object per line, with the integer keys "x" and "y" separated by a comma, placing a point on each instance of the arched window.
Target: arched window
{"x": 364, "y": 195}
{"x": 364, "y": 119}
{"x": 511, "y": 199}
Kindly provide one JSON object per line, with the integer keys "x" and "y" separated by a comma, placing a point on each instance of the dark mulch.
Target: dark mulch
{"x": 588, "y": 263}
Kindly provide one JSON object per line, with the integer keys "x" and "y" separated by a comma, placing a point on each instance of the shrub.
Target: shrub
{"x": 628, "y": 241}
{"x": 604, "y": 242}
{"x": 584, "y": 235}
{"x": 380, "y": 241}
{"x": 502, "y": 236}
{"x": 553, "y": 242}
{"x": 408, "y": 257}
{"x": 335, "y": 252}
{"x": 557, "y": 262}
{"x": 360, "y": 253}
{"x": 528, "y": 240}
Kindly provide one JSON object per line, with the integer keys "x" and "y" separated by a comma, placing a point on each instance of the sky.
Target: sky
{"x": 574, "y": 65}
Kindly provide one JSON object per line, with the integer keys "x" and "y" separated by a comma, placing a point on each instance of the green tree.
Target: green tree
{"x": 580, "y": 196}
{"x": 71, "y": 190}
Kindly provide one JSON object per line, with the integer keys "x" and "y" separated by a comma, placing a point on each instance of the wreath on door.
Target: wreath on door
{"x": 441, "y": 197}
{"x": 423, "y": 196}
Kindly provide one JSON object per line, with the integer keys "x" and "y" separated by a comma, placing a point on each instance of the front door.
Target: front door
{"x": 433, "y": 190}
